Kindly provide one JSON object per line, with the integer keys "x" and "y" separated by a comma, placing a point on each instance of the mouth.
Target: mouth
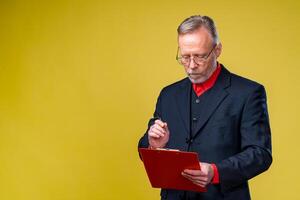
{"x": 194, "y": 74}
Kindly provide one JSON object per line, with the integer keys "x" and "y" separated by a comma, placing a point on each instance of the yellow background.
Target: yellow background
{"x": 79, "y": 81}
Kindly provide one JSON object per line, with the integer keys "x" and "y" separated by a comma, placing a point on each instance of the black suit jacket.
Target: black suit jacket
{"x": 233, "y": 132}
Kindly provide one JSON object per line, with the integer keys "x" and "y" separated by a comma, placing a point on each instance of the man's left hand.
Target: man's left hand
{"x": 200, "y": 177}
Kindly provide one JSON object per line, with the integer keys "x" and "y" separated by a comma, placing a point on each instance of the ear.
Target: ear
{"x": 218, "y": 50}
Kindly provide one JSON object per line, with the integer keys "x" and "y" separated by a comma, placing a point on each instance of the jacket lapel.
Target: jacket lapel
{"x": 183, "y": 100}
{"x": 213, "y": 99}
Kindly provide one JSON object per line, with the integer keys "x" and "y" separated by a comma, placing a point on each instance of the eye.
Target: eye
{"x": 199, "y": 56}
{"x": 185, "y": 57}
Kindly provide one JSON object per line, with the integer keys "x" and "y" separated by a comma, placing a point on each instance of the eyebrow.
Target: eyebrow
{"x": 200, "y": 54}
{"x": 196, "y": 54}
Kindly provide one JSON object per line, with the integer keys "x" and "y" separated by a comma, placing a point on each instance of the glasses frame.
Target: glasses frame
{"x": 203, "y": 59}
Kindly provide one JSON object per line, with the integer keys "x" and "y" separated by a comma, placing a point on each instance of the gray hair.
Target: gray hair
{"x": 194, "y": 22}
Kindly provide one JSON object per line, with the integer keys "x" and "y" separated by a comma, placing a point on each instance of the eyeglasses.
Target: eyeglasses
{"x": 198, "y": 59}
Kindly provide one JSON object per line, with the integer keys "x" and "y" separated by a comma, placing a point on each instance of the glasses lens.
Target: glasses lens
{"x": 184, "y": 61}
{"x": 199, "y": 60}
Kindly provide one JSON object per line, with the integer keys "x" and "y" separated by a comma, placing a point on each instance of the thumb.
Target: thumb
{"x": 166, "y": 126}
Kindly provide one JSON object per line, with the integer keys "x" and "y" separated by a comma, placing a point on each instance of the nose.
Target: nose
{"x": 192, "y": 65}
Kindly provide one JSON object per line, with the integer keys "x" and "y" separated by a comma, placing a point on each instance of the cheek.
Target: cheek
{"x": 186, "y": 68}
{"x": 205, "y": 66}
{"x": 210, "y": 62}
{"x": 213, "y": 59}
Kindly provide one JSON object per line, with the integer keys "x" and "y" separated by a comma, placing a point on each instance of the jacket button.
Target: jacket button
{"x": 197, "y": 101}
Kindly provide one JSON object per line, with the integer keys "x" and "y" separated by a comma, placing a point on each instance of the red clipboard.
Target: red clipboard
{"x": 164, "y": 168}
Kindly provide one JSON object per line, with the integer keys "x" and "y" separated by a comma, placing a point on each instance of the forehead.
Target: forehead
{"x": 199, "y": 39}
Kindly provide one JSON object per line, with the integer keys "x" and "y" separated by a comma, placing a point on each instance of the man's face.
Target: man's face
{"x": 199, "y": 43}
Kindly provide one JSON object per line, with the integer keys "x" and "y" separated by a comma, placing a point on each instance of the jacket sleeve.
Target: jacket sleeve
{"x": 255, "y": 156}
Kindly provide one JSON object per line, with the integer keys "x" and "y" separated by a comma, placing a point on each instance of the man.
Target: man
{"x": 221, "y": 116}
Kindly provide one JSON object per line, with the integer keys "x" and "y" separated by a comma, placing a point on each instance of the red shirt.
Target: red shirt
{"x": 199, "y": 89}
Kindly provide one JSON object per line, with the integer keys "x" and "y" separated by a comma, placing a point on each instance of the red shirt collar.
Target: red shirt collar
{"x": 200, "y": 88}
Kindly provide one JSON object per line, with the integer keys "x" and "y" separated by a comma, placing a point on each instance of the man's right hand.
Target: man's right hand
{"x": 158, "y": 134}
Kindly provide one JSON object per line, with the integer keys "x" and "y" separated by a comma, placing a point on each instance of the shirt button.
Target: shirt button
{"x": 197, "y": 100}
{"x": 194, "y": 118}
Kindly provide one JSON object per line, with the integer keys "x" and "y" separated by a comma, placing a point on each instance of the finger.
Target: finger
{"x": 201, "y": 184}
{"x": 194, "y": 178}
{"x": 158, "y": 132}
{"x": 203, "y": 181}
{"x": 160, "y": 123}
{"x": 195, "y": 181}
{"x": 166, "y": 127}
{"x": 153, "y": 134}
{"x": 159, "y": 128}
{"x": 188, "y": 177}
{"x": 194, "y": 172}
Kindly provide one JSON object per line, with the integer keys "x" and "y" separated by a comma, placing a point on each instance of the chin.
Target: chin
{"x": 196, "y": 80}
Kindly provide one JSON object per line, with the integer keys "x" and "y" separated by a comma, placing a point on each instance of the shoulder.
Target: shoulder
{"x": 239, "y": 87}
{"x": 176, "y": 86}
{"x": 241, "y": 84}
{"x": 242, "y": 87}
